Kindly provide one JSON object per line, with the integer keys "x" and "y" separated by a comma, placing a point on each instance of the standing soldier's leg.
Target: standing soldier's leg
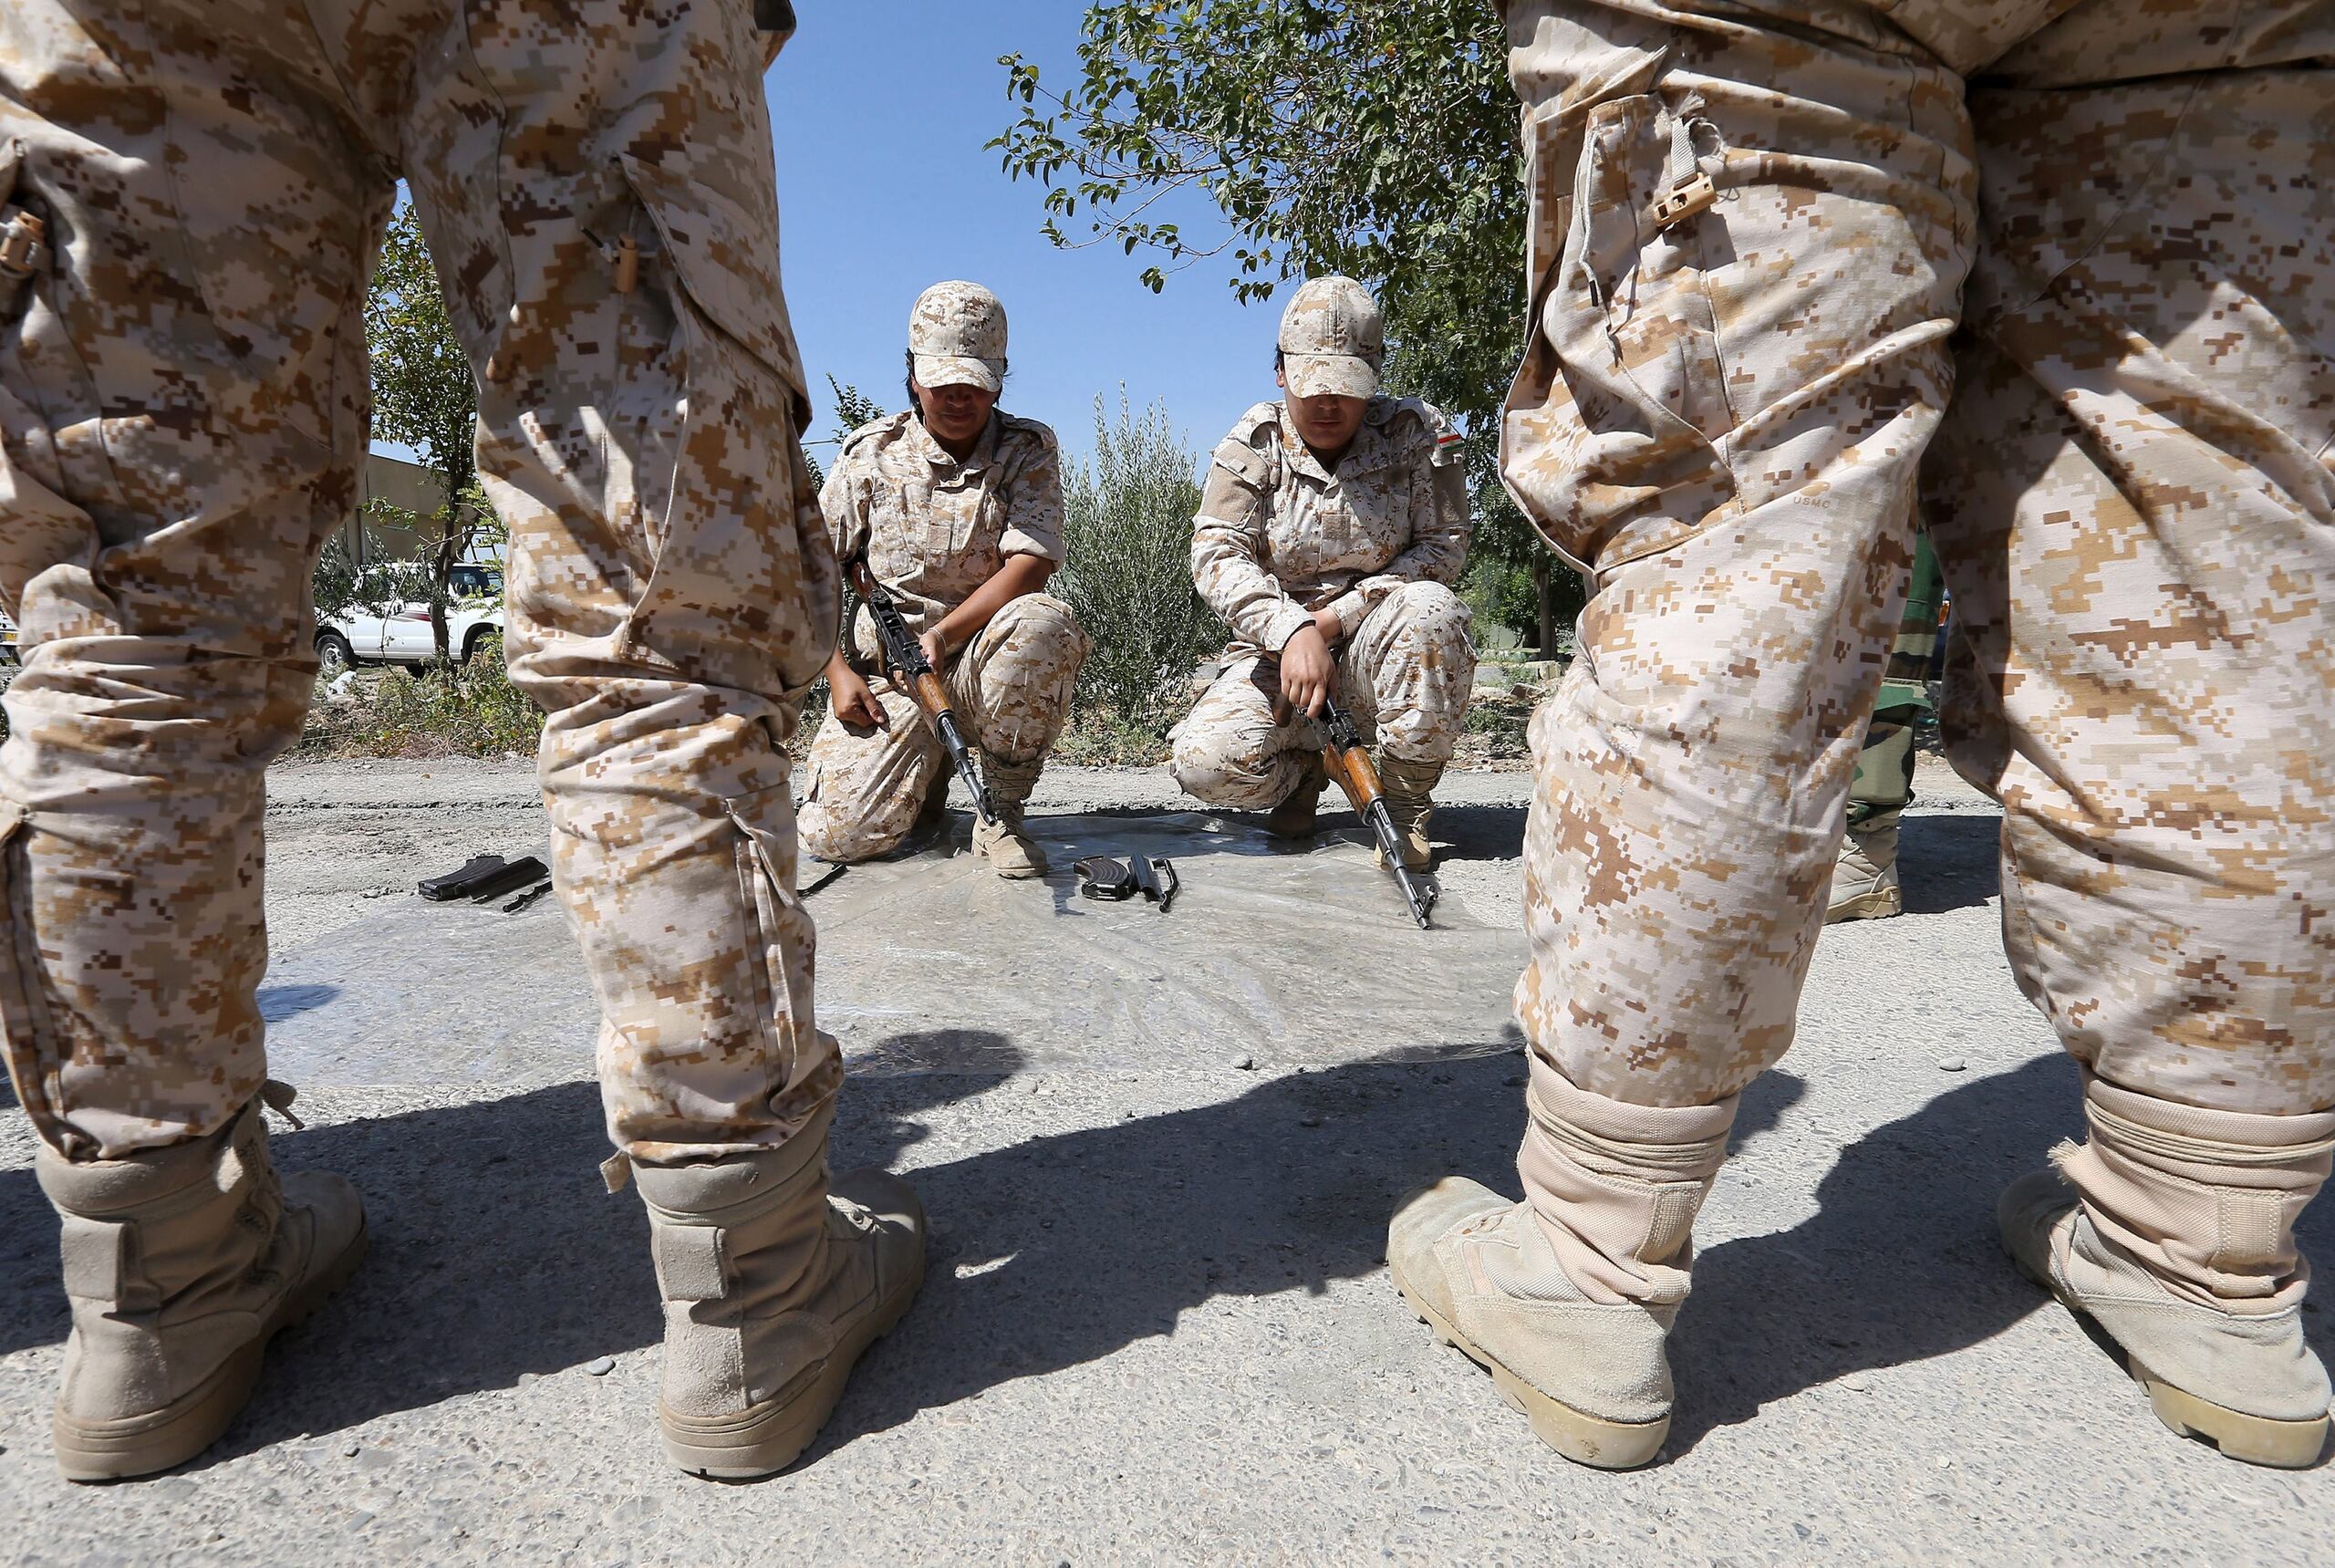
{"x": 1746, "y": 248}
{"x": 1015, "y": 682}
{"x": 182, "y": 252}
{"x": 2136, "y": 515}
{"x": 864, "y": 796}
{"x": 597, "y": 188}
{"x": 1864, "y": 878}
{"x": 1407, "y": 673}
{"x": 1230, "y": 750}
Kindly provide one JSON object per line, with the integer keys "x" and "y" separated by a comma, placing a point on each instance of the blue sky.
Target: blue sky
{"x": 880, "y": 111}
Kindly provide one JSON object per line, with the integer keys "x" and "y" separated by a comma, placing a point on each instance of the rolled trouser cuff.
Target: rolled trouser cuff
{"x": 1616, "y": 1187}
{"x": 2206, "y": 1200}
{"x": 1010, "y": 784}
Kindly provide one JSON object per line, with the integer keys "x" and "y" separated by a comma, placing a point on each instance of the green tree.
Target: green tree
{"x": 1367, "y": 137}
{"x": 1128, "y": 572}
{"x": 854, "y": 409}
{"x": 424, "y": 398}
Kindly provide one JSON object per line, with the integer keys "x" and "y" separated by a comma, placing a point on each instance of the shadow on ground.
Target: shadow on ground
{"x": 496, "y": 1254}
{"x": 1479, "y": 832}
{"x": 1949, "y": 861}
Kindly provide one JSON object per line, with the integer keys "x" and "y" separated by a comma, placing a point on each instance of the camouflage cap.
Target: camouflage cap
{"x": 1333, "y": 340}
{"x": 957, "y": 332}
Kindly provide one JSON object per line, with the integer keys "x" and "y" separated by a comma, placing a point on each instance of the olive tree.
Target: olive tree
{"x": 1267, "y": 139}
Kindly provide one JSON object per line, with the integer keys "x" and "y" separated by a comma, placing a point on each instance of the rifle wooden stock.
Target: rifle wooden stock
{"x": 929, "y": 694}
{"x": 1356, "y": 774}
{"x": 905, "y": 662}
{"x": 856, "y": 572}
{"x": 1346, "y": 762}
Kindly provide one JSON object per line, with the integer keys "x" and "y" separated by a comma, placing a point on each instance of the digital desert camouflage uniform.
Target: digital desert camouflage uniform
{"x": 194, "y": 195}
{"x": 935, "y": 529}
{"x": 1754, "y": 229}
{"x": 185, "y": 389}
{"x": 1381, "y": 540}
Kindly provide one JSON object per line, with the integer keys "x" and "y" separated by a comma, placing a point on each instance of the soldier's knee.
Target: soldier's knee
{"x": 1431, "y": 626}
{"x": 1044, "y": 609}
{"x": 840, "y": 837}
{"x": 1432, "y": 606}
{"x": 1219, "y": 768}
{"x": 1044, "y": 615}
{"x": 1043, "y": 625}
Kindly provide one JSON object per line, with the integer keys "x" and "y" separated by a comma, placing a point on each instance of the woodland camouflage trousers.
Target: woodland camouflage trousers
{"x": 2122, "y": 211}
{"x": 183, "y": 387}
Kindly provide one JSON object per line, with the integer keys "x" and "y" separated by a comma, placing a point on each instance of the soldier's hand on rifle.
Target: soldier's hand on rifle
{"x": 936, "y": 649}
{"x": 851, "y": 700}
{"x": 1308, "y": 671}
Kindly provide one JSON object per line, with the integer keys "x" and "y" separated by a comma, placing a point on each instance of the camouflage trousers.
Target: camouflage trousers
{"x": 1405, "y": 676}
{"x": 1884, "y": 781}
{"x": 183, "y": 393}
{"x": 1012, "y": 686}
{"x": 1754, "y": 231}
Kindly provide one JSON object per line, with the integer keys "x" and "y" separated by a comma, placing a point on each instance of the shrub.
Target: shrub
{"x": 440, "y": 710}
{"x": 1128, "y": 536}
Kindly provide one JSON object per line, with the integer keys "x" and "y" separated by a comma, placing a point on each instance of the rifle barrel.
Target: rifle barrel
{"x": 904, "y": 657}
{"x": 1342, "y": 755}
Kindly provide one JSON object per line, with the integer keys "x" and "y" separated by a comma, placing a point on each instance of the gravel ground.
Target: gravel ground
{"x": 1158, "y": 1326}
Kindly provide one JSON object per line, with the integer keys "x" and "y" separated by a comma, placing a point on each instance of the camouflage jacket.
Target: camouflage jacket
{"x": 936, "y": 528}
{"x": 1279, "y": 536}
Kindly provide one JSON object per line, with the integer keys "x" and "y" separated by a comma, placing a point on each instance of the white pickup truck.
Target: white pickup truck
{"x": 403, "y": 638}
{"x": 475, "y": 615}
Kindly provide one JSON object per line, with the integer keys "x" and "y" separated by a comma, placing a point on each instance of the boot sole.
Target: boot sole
{"x": 1582, "y": 1437}
{"x": 146, "y": 1445}
{"x": 1022, "y": 873}
{"x": 765, "y": 1440}
{"x": 1866, "y": 906}
{"x": 2250, "y": 1440}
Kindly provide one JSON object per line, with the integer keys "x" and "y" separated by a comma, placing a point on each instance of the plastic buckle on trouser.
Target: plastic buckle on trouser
{"x": 1683, "y": 200}
{"x": 24, "y": 251}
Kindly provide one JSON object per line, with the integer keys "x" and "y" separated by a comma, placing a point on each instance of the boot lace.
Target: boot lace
{"x": 857, "y": 1216}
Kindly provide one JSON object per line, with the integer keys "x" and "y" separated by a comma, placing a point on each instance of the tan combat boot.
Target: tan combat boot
{"x": 2182, "y": 1251}
{"x": 1409, "y": 785}
{"x": 1011, "y": 852}
{"x": 1567, "y": 1298}
{"x": 774, "y": 1286}
{"x": 1300, "y": 811}
{"x": 1864, "y": 880}
{"x": 180, "y": 1263}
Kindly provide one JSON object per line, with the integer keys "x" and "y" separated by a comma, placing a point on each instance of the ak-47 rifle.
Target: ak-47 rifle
{"x": 904, "y": 657}
{"x": 1347, "y": 763}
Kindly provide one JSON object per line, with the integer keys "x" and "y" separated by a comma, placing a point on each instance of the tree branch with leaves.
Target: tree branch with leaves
{"x": 425, "y": 398}
{"x": 1280, "y": 138}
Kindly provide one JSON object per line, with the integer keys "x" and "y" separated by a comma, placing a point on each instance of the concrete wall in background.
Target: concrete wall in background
{"x": 407, "y": 486}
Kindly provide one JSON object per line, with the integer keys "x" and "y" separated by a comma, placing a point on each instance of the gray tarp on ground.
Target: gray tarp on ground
{"x": 932, "y": 963}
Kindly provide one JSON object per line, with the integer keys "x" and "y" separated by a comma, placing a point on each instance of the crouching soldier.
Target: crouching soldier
{"x": 1332, "y": 528}
{"x": 957, "y": 509}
